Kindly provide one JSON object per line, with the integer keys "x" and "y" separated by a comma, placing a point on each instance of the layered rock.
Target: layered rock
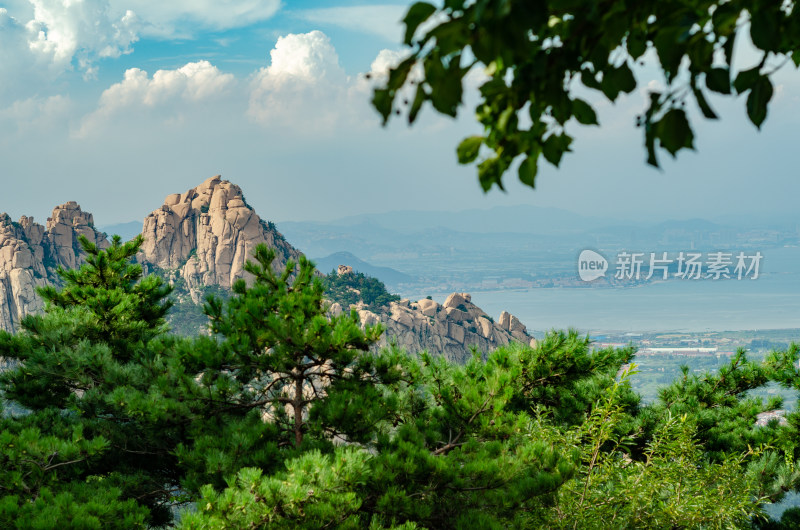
{"x": 451, "y": 329}
{"x": 31, "y": 253}
{"x": 207, "y": 234}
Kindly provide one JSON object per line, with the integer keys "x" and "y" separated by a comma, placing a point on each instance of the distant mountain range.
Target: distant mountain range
{"x": 517, "y": 247}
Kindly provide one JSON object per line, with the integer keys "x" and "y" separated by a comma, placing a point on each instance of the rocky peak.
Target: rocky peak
{"x": 207, "y": 233}
{"x": 64, "y": 226}
{"x": 344, "y": 269}
{"x": 30, "y": 254}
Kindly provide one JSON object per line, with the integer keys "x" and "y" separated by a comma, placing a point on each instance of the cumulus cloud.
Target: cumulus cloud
{"x": 63, "y": 30}
{"x": 303, "y": 83}
{"x": 60, "y": 35}
{"x": 19, "y": 66}
{"x": 168, "y": 91}
{"x": 303, "y": 90}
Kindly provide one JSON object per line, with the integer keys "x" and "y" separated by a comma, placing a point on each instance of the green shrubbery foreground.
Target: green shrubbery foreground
{"x": 282, "y": 418}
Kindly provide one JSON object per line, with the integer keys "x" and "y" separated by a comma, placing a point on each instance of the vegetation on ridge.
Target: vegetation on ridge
{"x": 354, "y": 287}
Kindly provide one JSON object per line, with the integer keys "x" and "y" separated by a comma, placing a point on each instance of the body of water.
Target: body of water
{"x": 770, "y": 302}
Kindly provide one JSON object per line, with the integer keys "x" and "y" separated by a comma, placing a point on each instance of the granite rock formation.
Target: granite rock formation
{"x": 450, "y": 329}
{"x": 31, "y": 253}
{"x": 206, "y": 234}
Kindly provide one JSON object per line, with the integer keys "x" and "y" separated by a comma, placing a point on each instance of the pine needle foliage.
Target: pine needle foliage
{"x": 283, "y": 416}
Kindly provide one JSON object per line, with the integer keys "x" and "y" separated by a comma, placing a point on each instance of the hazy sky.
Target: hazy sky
{"x": 116, "y": 104}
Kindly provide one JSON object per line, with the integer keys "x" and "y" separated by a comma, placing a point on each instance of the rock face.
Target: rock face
{"x": 30, "y": 254}
{"x": 450, "y": 329}
{"x": 207, "y": 234}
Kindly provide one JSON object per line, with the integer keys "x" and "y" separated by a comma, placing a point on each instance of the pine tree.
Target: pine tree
{"x": 283, "y": 417}
{"x": 69, "y": 363}
{"x": 291, "y": 356}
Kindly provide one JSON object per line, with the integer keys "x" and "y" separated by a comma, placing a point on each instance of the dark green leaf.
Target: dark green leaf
{"x": 589, "y": 79}
{"x": 701, "y": 52}
{"x": 584, "y": 112}
{"x": 416, "y": 105}
{"x": 468, "y": 149}
{"x": 674, "y": 131}
{"x": 670, "y": 50}
{"x": 636, "y": 43}
{"x": 764, "y": 28}
{"x": 416, "y": 15}
{"x": 382, "y": 100}
{"x": 650, "y": 145}
{"x": 725, "y": 17}
{"x": 622, "y": 78}
{"x": 527, "y": 171}
{"x": 719, "y": 80}
{"x": 555, "y": 146}
{"x": 758, "y": 99}
{"x": 705, "y": 108}
{"x": 746, "y": 79}
{"x": 399, "y": 74}
{"x": 446, "y": 85}
{"x": 489, "y": 173}
{"x": 561, "y": 106}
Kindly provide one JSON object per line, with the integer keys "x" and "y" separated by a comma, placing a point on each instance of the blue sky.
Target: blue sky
{"x": 116, "y": 104}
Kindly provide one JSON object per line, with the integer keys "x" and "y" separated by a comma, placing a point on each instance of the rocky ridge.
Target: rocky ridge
{"x": 450, "y": 329}
{"x": 199, "y": 241}
{"x": 31, "y": 253}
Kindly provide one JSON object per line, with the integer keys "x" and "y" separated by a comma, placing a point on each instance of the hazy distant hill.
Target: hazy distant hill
{"x": 387, "y": 275}
{"x": 126, "y": 231}
{"x": 513, "y": 247}
{"x": 526, "y": 219}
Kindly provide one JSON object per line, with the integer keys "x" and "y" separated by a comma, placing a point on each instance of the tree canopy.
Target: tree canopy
{"x": 541, "y": 58}
{"x": 283, "y": 416}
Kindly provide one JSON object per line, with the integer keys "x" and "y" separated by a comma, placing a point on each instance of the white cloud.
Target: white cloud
{"x": 20, "y": 68}
{"x": 59, "y": 35}
{"x": 381, "y": 20}
{"x": 86, "y": 30}
{"x": 309, "y": 57}
{"x": 385, "y": 60}
{"x": 171, "y": 18}
{"x": 168, "y": 92}
{"x": 303, "y": 85}
{"x": 303, "y": 90}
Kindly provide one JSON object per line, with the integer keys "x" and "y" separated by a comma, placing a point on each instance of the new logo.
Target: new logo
{"x": 591, "y": 265}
